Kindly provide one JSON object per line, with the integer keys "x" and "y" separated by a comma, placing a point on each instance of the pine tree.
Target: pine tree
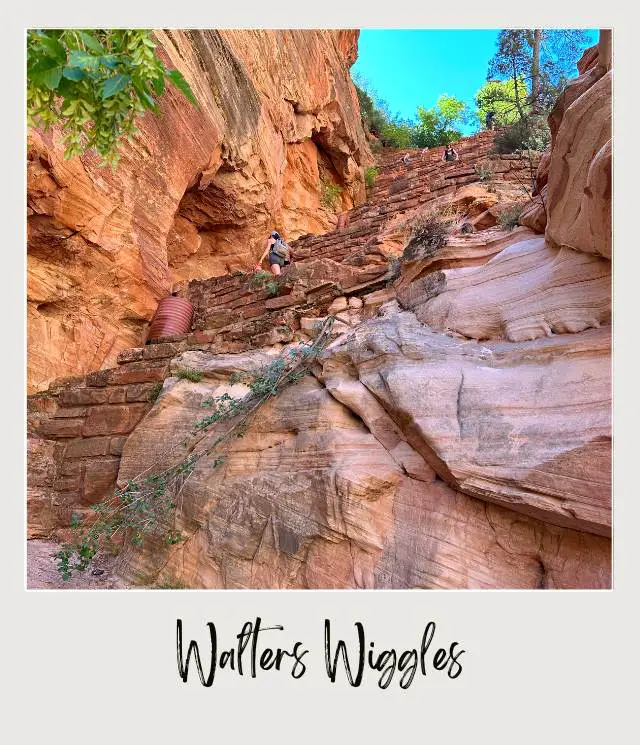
{"x": 543, "y": 58}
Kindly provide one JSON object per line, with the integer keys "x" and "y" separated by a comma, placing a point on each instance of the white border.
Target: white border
{"x": 541, "y": 666}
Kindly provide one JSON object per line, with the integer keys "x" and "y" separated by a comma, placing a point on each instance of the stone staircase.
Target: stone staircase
{"x": 348, "y": 261}
{"x": 79, "y": 426}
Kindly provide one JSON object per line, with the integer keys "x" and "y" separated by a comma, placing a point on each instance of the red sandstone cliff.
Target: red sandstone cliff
{"x": 455, "y": 434}
{"x": 196, "y": 191}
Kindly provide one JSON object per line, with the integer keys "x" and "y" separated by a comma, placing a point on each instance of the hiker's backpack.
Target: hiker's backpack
{"x": 281, "y": 249}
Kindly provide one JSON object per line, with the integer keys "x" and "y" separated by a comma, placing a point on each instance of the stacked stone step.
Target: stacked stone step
{"x": 227, "y": 305}
{"x": 238, "y": 319}
{"x": 401, "y": 188}
{"x": 84, "y": 422}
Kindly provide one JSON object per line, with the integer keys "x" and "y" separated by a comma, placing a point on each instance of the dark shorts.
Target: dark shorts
{"x": 275, "y": 259}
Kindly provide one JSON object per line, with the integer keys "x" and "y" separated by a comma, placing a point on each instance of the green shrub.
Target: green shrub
{"x": 195, "y": 376}
{"x": 259, "y": 279}
{"x": 508, "y": 217}
{"x": 531, "y": 133}
{"x": 373, "y": 118}
{"x": 429, "y": 232}
{"x": 155, "y": 391}
{"x": 272, "y": 287}
{"x": 329, "y": 193}
{"x": 397, "y": 134}
{"x": 94, "y": 84}
{"x": 432, "y": 127}
{"x": 441, "y": 124}
{"x": 265, "y": 280}
{"x": 370, "y": 176}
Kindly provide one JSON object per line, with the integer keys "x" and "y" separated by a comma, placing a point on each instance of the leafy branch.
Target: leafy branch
{"x": 94, "y": 84}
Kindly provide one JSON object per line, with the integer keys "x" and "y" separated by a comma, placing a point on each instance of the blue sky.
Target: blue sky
{"x": 410, "y": 68}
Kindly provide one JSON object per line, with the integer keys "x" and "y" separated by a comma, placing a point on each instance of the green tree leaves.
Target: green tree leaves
{"x": 397, "y": 133}
{"x": 175, "y": 76}
{"x": 94, "y": 84}
{"x": 500, "y": 97}
{"x": 114, "y": 85}
{"x": 91, "y": 42}
{"x": 542, "y": 58}
{"x": 440, "y": 124}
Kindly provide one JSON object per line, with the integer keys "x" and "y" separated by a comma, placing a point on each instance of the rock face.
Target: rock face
{"x": 534, "y": 291}
{"x": 455, "y": 433}
{"x": 577, "y": 173}
{"x": 195, "y": 193}
{"x": 526, "y": 425}
{"x": 325, "y": 491}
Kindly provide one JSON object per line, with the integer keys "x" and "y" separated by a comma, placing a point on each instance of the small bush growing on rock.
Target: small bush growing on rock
{"x": 258, "y": 279}
{"x": 429, "y": 232}
{"x": 195, "y": 376}
{"x": 485, "y": 171}
{"x": 531, "y": 133}
{"x": 155, "y": 392}
{"x": 329, "y": 194}
{"x": 272, "y": 287}
{"x": 265, "y": 280}
{"x": 370, "y": 176}
{"x": 508, "y": 218}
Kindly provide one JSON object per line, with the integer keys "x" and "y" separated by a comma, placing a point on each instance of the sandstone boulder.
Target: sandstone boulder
{"x": 534, "y": 214}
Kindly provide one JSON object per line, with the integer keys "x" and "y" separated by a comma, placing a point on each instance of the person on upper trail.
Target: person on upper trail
{"x": 489, "y": 119}
{"x": 449, "y": 153}
{"x": 279, "y": 253}
{"x": 406, "y": 159}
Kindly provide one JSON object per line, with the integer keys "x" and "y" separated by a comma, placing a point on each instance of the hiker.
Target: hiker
{"x": 405, "y": 160}
{"x": 489, "y": 119}
{"x": 425, "y": 151}
{"x": 449, "y": 153}
{"x": 279, "y": 253}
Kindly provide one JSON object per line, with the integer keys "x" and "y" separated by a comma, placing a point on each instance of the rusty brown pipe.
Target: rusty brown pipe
{"x": 172, "y": 317}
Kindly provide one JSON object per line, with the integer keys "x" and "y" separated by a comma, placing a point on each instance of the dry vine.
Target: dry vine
{"x": 142, "y": 506}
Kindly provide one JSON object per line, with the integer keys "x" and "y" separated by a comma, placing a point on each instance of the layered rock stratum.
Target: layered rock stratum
{"x": 455, "y": 433}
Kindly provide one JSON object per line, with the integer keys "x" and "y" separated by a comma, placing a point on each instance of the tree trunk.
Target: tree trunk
{"x": 604, "y": 49}
{"x": 535, "y": 72}
{"x": 515, "y": 88}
